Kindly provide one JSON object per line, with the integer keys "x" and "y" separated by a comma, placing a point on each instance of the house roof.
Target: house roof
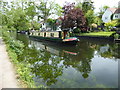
{"x": 117, "y": 11}
{"x": 112, "y": 9}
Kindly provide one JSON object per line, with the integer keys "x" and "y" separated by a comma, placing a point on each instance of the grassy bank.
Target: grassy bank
{"x": 103, "y": 34}
{"x": 0, "y": 32}
{"x": 15, "y": 48}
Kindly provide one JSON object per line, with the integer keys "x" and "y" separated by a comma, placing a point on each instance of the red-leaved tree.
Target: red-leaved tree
{"x": 73, "y": 17}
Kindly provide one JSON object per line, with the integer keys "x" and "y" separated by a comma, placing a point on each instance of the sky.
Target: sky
{"x": 97, "y": 3}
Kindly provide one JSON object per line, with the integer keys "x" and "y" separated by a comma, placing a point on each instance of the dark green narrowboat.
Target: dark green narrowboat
{"x": 58, "y": 36}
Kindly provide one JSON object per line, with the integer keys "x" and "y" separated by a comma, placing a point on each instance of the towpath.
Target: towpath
{"x": 7, "y": 74}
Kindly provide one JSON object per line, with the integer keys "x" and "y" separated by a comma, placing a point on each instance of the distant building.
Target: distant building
{"x": 111, "y": 14}
{"x": 116, "y": 14}
{"x": 107, "y": 16}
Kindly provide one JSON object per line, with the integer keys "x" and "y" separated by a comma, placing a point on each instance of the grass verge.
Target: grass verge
{"x": 103, "y": 34}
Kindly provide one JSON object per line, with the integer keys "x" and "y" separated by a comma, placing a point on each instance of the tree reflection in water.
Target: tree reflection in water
{"x": 49, "y": 61}
{"x": 49, "y": 66}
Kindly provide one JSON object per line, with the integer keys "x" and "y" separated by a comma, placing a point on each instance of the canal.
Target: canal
{"x": 89, "y": 64}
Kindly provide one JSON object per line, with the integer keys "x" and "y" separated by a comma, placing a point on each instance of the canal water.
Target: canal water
{"x": 89, "y": 64}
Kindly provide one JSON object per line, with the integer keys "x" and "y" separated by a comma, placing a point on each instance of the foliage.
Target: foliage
{"x": 98, "y": 20}
{"x": 102, "y": 10}
{"x": 78, "y": 4}
{"x": 35, "y": 25}
{"x": 73, "y": 17}
{"x": 90, "y": 17}
{"x": 31, "y": 10}
{"x": 118, "y": 22}
{"x": 20, "y": 20}
{"x": 48, "y": 8}
{"x": 15, "y": 48}
{"x": 109, "y": 25}
{"x": 0, "y": 31}
{"x": 87, "y": 6}
{"x": 52, "y": 23}
{"x": 76, "y": 30}
{"x": 116, "y": 36}
{"x": 15, "y": 18}
{"x": 57, "y": 10}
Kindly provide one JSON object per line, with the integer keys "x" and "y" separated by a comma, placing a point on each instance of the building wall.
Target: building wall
{"x": 107, "y": 16}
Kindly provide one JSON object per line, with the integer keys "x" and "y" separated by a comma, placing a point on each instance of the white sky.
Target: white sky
{"x": 97, "y": 3}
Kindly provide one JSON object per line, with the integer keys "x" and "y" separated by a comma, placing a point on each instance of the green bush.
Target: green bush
{"x": 118, "y": 22}
{"x": 77, "y": 30}
{"x": 15, "y": 48}
{"x": 116, "y": 36}
{"x": 110, "y": 25}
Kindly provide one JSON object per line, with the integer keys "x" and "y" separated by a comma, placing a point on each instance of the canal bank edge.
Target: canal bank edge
{"x": 112, "y": 39}
{"x": 97, "y": 37}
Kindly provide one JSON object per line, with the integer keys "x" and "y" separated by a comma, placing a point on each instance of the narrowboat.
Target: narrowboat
{"x": 60, "y": 36}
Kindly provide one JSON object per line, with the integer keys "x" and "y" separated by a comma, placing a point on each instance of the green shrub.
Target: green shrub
{"x": 110, "y": 25}
{"x": 116, "y": 36}
{"x": 15, "y": 45}
{"x": 77, "y": 30}
{"x": 15, "y": 48}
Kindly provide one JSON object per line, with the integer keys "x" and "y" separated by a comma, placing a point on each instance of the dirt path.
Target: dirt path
{"x": 7, "y": 74}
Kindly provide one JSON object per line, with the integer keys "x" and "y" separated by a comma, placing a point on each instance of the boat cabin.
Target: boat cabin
{"x": 56, "y": 34}
{"x": 62, "y": 36}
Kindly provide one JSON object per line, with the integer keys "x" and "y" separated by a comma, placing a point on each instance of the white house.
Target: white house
{"x": 116, "y": 14}
{"x": 107, "y": 16}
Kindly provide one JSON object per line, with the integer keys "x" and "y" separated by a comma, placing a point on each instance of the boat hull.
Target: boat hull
{"x": 52, "y": 39}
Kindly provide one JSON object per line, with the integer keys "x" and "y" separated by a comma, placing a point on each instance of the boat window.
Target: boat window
{"x": 52, "y": 34}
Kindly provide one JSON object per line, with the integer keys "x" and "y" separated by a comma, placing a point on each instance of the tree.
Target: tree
{"x": 98, "y": 20}
{"x": 52, "y": 23}
{"x": 31, "y": 10}
{"x": 102, "y": 10}
{"x": 87, "y": 5}
{"x": 31, "y": 13}
{"x": 14, "y": 17}
{"x": 88, "y": 9}
{"x": 20, "y": 19}
{"x": 90, "y": 17}
{"x": 78, "y": 4}
{"x": 73, "y": 17}
{"x": 47, "y": 8}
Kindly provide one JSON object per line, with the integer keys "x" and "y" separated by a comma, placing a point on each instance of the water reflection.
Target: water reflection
{"x": 59, "y": 66}
{"x": 71, "y": 56}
